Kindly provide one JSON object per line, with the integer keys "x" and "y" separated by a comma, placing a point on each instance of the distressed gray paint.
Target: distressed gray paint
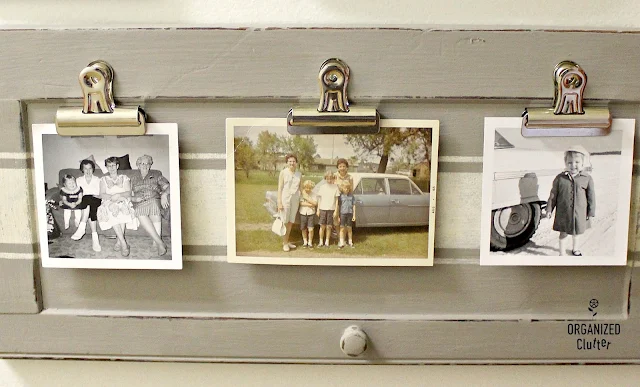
{"x": 257, "y": 63}
{"x": 445, "y": 291}
{"x": 202, "y": 122}
{"x": 11, "y": 127}
{"x": 214, "y": 310}
{"x": 199, "y": 338}
{"x": 18, "y": 290}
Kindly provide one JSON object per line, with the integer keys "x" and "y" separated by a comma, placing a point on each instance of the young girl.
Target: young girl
{"x": 347, "y": 212}
{"x": 308, "y": 203}
{"x": 573, "y": 196}
{"x": 327, "y": 206}
{"x": 70, "y": 198}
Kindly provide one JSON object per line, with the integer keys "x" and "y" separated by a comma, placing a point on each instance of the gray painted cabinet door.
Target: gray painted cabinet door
{"x": 455, "y": 311}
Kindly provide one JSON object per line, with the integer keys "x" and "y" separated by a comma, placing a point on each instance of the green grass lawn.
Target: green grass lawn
{"x": 254, "y": 236}
{"x": 250, "y": 196}
{"x": 249, "y": 204}
{"x": 406, "y": 242}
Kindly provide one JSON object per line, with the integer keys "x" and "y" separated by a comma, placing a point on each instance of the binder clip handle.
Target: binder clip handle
{"x": 96, "y": 82}
{"x": 333, "y": 78}
{"x": 99, "y": 115}
{"x": 568, "y": 116}
{"x": 570, "y": 81}
{"x": 333, "y": 114}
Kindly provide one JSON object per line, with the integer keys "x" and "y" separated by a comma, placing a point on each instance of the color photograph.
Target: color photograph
{"x": 331, "y": 199}
{"x": 556, "y": 201}
{"x": 108, "y": 201}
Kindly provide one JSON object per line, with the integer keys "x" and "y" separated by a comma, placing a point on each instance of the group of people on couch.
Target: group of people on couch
{"x": 117, "y": 201}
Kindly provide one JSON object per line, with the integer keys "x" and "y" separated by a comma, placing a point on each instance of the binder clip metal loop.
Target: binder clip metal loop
{"x": 333, "y": 115}
{"x": 99, "y": 115}
{"x": 568, "y": 117}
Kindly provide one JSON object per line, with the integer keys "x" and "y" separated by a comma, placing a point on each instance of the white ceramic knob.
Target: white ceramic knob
{"x": 353, "y": 341}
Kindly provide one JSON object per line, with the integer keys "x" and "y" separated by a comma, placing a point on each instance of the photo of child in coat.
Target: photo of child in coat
{"x": 573, "y": 198}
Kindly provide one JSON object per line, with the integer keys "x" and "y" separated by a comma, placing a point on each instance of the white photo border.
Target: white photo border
{"x": 619, "y": 257}
{"x": 232, "y": 257}
{"x": 169, "y": 129}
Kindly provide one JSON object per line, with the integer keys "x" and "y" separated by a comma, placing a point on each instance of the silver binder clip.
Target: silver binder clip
{"x": 99, "y": 116}
{"x": 568, "y": 117}
{"x": 333, "y": 115}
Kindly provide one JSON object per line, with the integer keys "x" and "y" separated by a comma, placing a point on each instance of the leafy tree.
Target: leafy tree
{"x": 244, "y": 154}
{"x": 380, "y": 144}
{"x": 304, "y": 147}
{"x": 269, "y": 149}
{"x": 353, "y": 160}
{"x": 419, "y": 144}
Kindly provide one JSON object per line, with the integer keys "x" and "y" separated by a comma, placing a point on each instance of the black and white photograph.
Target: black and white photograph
{"x": 358, "y": 199}
{"x": 108, "y": 201}
{"x": 556, "y": 201}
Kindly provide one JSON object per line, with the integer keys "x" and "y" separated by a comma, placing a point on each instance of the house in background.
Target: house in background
{"x": 366, "y": 167}
{"x": 321, "y": 165}
{"x": 421, "y": 171}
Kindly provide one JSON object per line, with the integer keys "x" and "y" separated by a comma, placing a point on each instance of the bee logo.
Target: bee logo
{"x": 593, "y": 304}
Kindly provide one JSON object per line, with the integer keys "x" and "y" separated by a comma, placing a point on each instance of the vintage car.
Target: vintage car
{"x": 520, "y": 189}
{"x": 382, "y": 200}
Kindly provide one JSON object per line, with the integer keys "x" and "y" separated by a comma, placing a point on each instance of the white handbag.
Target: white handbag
{"x": 278, "y": 226}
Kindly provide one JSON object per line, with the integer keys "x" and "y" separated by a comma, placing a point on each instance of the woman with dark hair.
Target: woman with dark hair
{"x": 90, "y": 185}
{"x": 150, "y": 197}
{"x": 289, "y": 197}
{"x": 116, "y": 210}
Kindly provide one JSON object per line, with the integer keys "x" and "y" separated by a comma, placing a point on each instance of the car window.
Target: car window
{"x": 371, "y": 186}
{"x": 399, "y": 186}
{"x": 500, "y": 142}
{"x": 414, "y": 189}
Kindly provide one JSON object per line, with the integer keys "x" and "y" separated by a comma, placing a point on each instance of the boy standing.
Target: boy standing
{"x": 327, "y": 206}
{"x": 347, "y": 213}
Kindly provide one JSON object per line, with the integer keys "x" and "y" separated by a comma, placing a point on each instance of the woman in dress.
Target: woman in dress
{"x": 289, "y": 197}
{"x": 116, "y": 210}
{"x": 150, "y": 196}
{"x": 90, "y": 202}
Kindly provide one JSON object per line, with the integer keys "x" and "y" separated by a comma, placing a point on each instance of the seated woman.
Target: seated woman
{"x": 116, "y": 210}
{"x": 150, "y": 196}
{"x": 90, "y": 202}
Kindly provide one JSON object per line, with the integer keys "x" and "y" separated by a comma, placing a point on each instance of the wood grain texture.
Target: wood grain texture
{"x": 19, "y": 290}
{"x": 384, "y": 63}
{"x": 17, "y": 220}
{"x": 202, "y": 121}
{"x": 11, "y": 127}
{"x": 297, "y": 340}
{"x": 456, "y": 311}
{"x": 443, "y": 292}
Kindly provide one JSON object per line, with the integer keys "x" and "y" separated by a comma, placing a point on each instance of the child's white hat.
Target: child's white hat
{"x": 578, "y": 149}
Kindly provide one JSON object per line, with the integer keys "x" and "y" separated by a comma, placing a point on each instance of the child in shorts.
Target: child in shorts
{"x": 70, "y": 199}
{"x": 573, "y": 197}
{"x": 342, "y": 174}
{"x": 327, "y": 206}
{"x": 308, "y": 203}
{"x": 347, "y": 205}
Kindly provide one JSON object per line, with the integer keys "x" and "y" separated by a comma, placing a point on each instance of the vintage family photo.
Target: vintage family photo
{"x": 555, "y": 200}
{"x": 331, "y": 199}
{"x": 108, "y": 201}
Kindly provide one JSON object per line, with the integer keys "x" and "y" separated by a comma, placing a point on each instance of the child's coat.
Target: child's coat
{"x": 574, "y": 199}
